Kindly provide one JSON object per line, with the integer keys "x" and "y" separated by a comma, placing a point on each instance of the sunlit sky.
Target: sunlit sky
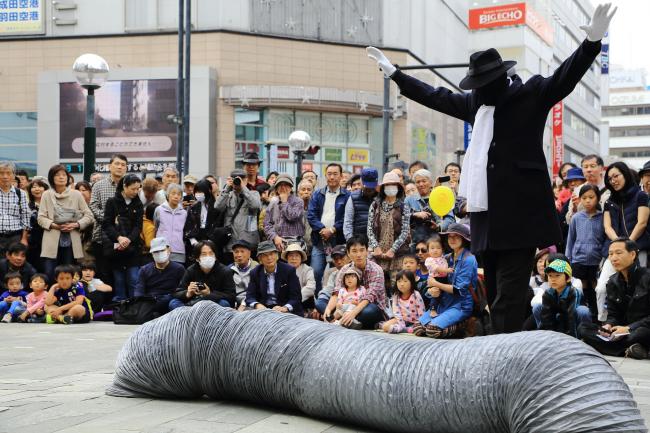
{"x": 629, "y": 34}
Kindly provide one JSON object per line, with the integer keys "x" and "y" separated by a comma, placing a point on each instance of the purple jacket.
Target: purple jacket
{"x": 284, "y": 219}
{"x": 170, "y": 223}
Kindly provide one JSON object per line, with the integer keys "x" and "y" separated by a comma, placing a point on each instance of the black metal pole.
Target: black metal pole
{"x": 441, "y": 66}
{"x": 299, "y": 155}
{"x": 179, "y": 91}
{"x": 186, "y": 91}
{"x": 385, "y": 117}
{"x": 90, "y": 137}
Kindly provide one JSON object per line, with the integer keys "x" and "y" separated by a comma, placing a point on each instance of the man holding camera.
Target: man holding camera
{"x": 241, "y": 206}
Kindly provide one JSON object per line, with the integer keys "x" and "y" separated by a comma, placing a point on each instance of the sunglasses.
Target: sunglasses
{"x": 421, "y": 250}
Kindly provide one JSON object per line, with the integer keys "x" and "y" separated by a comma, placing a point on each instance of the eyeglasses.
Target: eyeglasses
{"x": 421, "y": 250}
{"x": 614, "y": 176}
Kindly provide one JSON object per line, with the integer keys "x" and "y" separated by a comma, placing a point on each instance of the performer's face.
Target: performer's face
{"x": 489, "y": 93}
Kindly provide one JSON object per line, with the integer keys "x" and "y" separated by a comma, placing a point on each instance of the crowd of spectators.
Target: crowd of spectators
{"x": 356, "y": 250}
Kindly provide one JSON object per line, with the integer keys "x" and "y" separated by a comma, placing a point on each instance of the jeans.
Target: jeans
{"x": 370, "y": 316}
{"x": 124, "y": 282}
{"x": 318, "y": 262}
{"x": 176, "y": 303}
{"x": 321, "y": 305}
{"x": 583, "y": 314}
{"x": 64, "y": 256}
{"x": 15, "y": 308}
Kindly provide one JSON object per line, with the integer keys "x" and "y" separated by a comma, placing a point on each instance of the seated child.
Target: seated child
{"x": 66, "y": 301}
{"x": 406, "y": 305}
{"x": 35, "y": 312}
{"x": 348, "y": 297}
{"x": 561, "y": 303}
{"x": 98, "y": 293}
{"x": 13, "y": 300}
{"x": 296, "y": 257}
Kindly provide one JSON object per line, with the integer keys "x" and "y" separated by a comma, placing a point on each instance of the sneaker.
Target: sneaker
{"x": 66, "y": 320}
{"x": 356, "y": 325}
{"x": 36, "y": 319}
{"x": 49, "y": 320}
{"x": 6, "y": 318}
{"x": 636, "y": 351}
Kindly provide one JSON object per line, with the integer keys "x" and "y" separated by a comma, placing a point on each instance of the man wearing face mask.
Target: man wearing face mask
{"x": 205, "y": 280}
{"x": 506, "y": 153}
{"x": 161, "y": 278}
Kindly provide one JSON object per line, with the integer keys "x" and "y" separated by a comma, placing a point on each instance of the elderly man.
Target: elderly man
{"x": 170, "y": 175}
{"x": 424, "y": 222}
{"x": 355, "y": 221}
{"x": 14, "y": 209}
{"x": 273, "y": 284}
{"x": 242, "y": 267}
{"x": 162, "y": 277}
{"x": 627, "y": 328}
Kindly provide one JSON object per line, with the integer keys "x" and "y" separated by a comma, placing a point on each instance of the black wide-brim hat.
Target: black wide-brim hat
{"x": 484, "y": 67}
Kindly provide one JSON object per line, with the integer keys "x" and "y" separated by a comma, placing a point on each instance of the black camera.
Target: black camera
{"x": 237, "y": 181}
{"x": 200, "y": 286}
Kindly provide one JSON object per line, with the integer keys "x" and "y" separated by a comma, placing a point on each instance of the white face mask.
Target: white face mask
{"x": 160, "y": 256}
{"x": 207, "y": 262}
{"x": 391, "y": 190}
{"x": 199, "y": 197}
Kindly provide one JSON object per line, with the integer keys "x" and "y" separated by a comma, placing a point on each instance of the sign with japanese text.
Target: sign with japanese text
{"x": 511, "y": 15}
{"x": 283, "y": 152}
{"x": 557, "y": 146}
{"x": 358, "y": 156}
{"x": 21, "y": 17}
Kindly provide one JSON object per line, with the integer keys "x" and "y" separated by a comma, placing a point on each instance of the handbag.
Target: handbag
{"x": 222, "y": 235}
{"x": 64, "y": 215}
{"x": 135, "y": 311}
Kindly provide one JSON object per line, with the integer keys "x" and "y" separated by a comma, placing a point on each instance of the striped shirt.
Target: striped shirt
{"x": 101, "y": 192}
{"x": 14, "y": 211}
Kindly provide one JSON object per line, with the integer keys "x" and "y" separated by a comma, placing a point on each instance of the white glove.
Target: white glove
{"x": 599, "y": 22}
{"x": 382, "y": 61}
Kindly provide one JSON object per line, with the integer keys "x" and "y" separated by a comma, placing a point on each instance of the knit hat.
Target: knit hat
{"x": 350, "y": 271}
{"x": 561, "y": 266}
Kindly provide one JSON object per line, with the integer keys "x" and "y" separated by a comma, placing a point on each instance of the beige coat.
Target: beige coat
{"x": 70, "y": 199}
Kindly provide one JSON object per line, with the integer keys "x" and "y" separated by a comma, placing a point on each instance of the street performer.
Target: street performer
{"x": 505, "y": 160}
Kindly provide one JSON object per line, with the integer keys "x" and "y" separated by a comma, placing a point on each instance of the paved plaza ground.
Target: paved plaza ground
{"x": 52, "y": 379}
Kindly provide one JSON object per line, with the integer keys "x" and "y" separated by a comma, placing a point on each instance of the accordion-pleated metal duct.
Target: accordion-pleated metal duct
{"x": 525, "y": 382}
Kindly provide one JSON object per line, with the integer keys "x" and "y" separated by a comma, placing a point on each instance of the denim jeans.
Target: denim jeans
{"x": 321, "y": 305}
{"x": 370, "y": 316}
{"x": 15, "y": 308}
{"x": 64, "y": 256}
{"x": 318, "y": 263}
{"x": 124, "y": 282}
{"x": 176, "y": 303}
{"x": 583, "y": 315}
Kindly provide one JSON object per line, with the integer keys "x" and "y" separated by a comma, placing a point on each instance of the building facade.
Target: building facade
{"x": 628, "y": 114}
{"x": 260, "y": 69}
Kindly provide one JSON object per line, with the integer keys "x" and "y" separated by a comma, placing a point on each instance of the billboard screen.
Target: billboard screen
{"x": 130, "y": 116}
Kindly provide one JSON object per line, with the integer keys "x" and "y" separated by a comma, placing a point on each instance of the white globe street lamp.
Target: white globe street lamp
{"x": 300, "y": 141}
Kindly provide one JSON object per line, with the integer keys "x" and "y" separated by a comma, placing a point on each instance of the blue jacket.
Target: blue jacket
{"x": 315, "y": 212}
{"x": 465, "y": 275}
{"x": 287, "y": 287}
{"x": 586, "y": 238}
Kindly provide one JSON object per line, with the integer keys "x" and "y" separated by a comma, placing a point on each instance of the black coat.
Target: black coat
{"x": 520, "y": 198}
{"x": 121, "y": 219}
{"x": 628, "y": 304}
{"x": 559, "y": 314}
{"x": 192, "y": 228}
{"x": 219, "y": 280}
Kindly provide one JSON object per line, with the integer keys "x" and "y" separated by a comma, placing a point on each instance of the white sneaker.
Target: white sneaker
{"x": 6, "y": 318}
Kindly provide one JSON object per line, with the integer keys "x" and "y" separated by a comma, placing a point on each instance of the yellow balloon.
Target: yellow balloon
{"x": 441, "y": 200}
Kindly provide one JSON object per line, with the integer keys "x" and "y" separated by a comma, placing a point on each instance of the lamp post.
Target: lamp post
{"x": 91, "y": 71}
{"x": 299, "y": 141}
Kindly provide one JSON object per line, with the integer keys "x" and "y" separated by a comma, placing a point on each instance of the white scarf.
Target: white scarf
{"x": 473, "y": 178}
